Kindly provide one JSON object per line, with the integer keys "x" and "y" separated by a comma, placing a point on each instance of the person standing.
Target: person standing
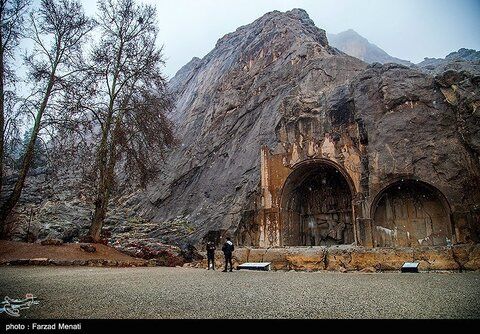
{"x": 228, "y": 249}
{"x": 211, "y": 254}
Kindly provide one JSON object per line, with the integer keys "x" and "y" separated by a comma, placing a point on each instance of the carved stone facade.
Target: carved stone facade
{"x": 313, "y": 196}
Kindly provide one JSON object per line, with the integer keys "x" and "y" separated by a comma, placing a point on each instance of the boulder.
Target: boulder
{"x": 383, "y": 259}
{"x": 241, "y": 254}
{"x": 308, "y": 259}
{"x": 338, "y": 259}
{"x": 110, "y": 263}
{"x": 277, "y": 257}
{"x": 473, "y": 259}
{"x": 435, "y": 258}
{"x": 256, "y": 255}
{"x": 88, "y": 248}
{"x": 79, "y": 263}
{"x": 151, "y": 249}
{"x": 19, "y": 262}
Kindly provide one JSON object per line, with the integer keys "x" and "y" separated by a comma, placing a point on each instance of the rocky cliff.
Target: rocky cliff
{"x": 462, "y": 58}
{"x": 229, "y": 105}
{"x": 277, "y": 83}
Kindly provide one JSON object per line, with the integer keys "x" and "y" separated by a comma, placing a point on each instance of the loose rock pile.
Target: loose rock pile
{"x": 147, "y": 241}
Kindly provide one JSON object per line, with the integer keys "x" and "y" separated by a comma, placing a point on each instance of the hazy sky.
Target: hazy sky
{"x": 407, "y": 29}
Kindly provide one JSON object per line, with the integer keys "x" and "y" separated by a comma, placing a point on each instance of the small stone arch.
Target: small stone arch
{"x": 408, "y": 212}
{"x": 316, "y": 205}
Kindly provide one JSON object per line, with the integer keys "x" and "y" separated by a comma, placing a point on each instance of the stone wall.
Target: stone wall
{"x": 348, "y": 258}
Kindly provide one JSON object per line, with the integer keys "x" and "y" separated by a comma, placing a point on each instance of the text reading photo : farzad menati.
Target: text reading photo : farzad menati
{"x": 42, "y": 326}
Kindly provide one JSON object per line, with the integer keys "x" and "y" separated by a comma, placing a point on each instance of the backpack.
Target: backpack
{"x": 228, "y": 248}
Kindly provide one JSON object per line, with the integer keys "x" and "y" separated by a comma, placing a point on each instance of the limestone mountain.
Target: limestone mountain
{"x": 274, "y": 95}
{"x": 358, "y": 46}
{"x": 230, "y": 104}
{"x": 276, "y": 87}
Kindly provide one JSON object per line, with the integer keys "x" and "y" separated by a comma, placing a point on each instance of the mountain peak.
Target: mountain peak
{"x": 464, "y": 54}
{"x": 299, "y": 14}
{"x": 295, "y": 22}
{"x": 350, "y": 32}
{"x": 355, "y": 45}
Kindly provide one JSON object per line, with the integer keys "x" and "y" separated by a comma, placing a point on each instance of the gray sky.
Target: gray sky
{"x": 407, "y": 29}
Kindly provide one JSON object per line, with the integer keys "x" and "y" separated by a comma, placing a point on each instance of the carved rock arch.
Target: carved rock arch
{"x": 408, "y": 212}
{"x": 316, "y": 205}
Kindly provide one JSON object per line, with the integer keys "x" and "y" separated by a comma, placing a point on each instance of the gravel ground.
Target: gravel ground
{"x": 159, "y": 292}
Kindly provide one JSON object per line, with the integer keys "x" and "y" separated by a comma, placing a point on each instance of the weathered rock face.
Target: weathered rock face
{"x": 273, "y": 105}
{"x": 276, "y": 86}
{"x": 285, "y": 140}
{"x": 462, "y": 57}
{"x": 406, "y": 145}
{"x": 359, "y": 47}
{"x": 230, "y": 104}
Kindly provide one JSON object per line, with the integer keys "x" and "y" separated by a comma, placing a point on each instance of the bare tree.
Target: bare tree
{"x": 58, "y": 30}
{"x": 12, "y": 17}
{"x": 126, "y": 98}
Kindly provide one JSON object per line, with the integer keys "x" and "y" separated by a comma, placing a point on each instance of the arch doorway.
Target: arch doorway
{"x": 316, "y": 206}
{"x": 411, "y": 213}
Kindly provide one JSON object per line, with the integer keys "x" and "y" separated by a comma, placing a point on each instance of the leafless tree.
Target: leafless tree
{"x": 58, "y": 30}
{"x": 126, "y": 99}
{"x": 12, "y": 18}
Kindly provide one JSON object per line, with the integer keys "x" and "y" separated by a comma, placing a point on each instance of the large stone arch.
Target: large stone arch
{"x": 408, "y": 212}
{"x": 316, "y": 205}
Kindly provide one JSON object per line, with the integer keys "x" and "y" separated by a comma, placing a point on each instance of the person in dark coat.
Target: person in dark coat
{"x": 228, "y": 249}
{"x": 211, "y": 254}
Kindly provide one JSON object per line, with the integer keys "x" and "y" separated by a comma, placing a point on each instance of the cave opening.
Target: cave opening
{"x": 411, "y": 213}
{"x": 316, "y": 208}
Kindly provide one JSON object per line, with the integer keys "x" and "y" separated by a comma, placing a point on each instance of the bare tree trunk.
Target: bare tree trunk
{"x": 99, "y": 215}
{"x": 101, "y": 202}
{"x": 103, "y": 196}
{"x": 105, "y": 185}
{"x": 100, "y": 205}
{"x": 12, "y": 200}
{"x": 104, "y": 161}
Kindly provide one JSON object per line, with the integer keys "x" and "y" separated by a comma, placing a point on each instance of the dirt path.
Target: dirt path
{"x": 10, "y": 251}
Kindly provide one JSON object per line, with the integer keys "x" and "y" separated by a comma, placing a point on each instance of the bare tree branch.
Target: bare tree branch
{"x": 63, "y": 22}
